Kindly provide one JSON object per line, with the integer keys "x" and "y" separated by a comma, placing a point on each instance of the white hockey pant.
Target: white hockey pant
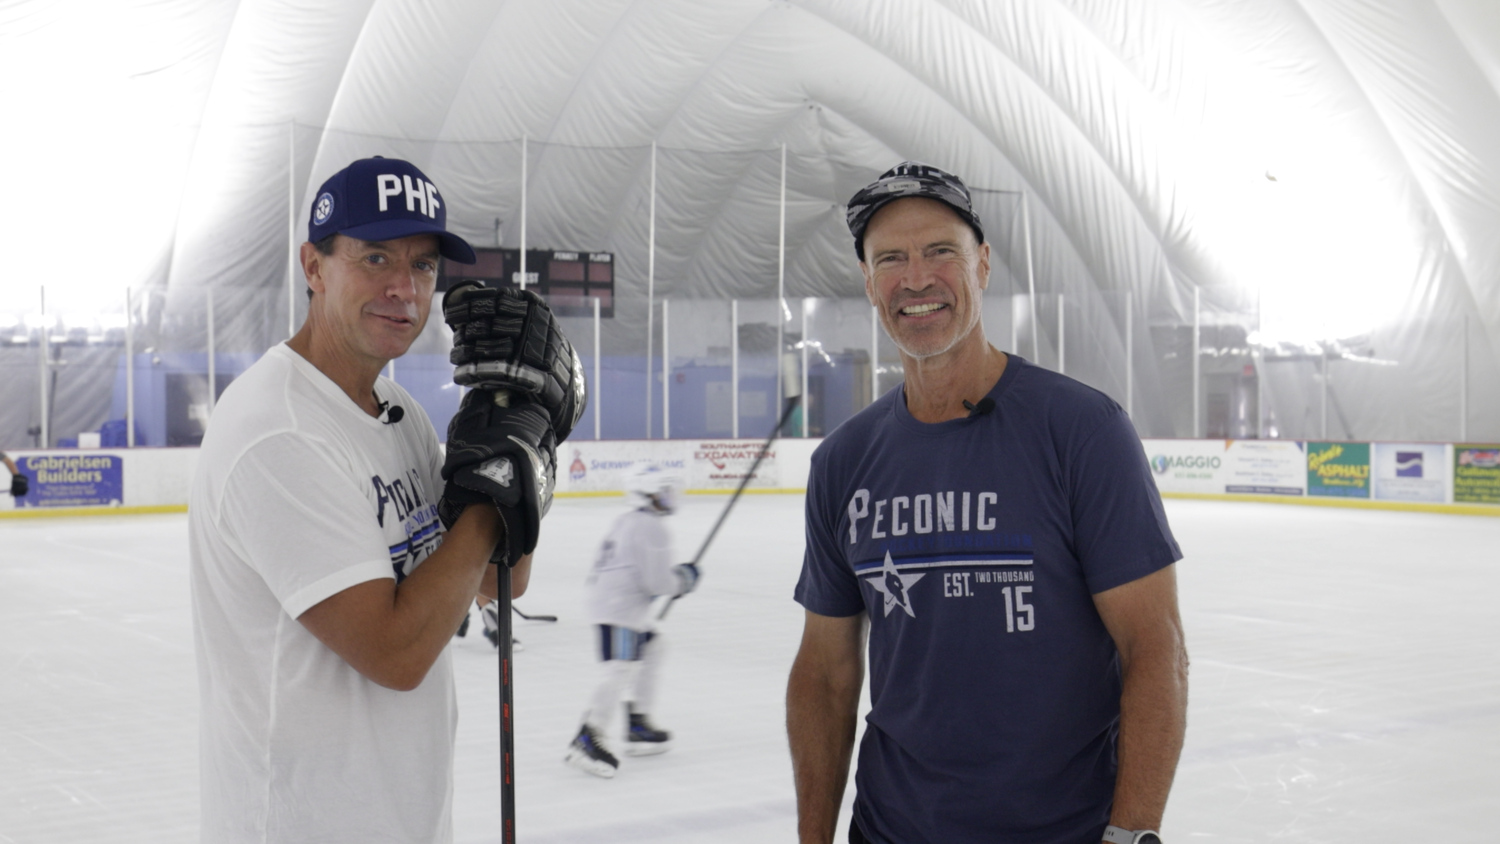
{"x": 621, "y": 679}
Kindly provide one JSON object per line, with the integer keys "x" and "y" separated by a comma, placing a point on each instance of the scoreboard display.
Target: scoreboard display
{"x": 567, "y": 280}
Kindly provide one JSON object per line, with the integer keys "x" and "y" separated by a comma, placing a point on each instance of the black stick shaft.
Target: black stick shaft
{"x": 791, "y": 404}
{"x": 507, "y": 725}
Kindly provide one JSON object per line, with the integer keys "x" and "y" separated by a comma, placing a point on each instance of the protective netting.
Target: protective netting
{"x": 1236, "y": 219}
{"x": 718, "y": 256}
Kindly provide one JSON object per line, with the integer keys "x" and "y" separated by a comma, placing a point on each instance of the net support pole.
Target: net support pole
{"x": 522, "y": 279}
{"x": 1062, "y": 338}
{"x": 45, "y": 427}
{"x": 1129, "y": 353}
{"x": 1030, "y": 280}
{"x": 213, "y": 376}
{"x": 734, "y": 369}
{"x": 594, "y": 394}
{"x": 291, "y": 229}
{"x": 1463, "y": 383}
{"x": 650, "y": 286}
{"x": 806, "y": 303}
{"x": 666, "y": 371}
{"x": 1260, "y": 372}
{"x": 1197, "y": 363}
{"x": 129, "y": 370}
{"x": 781, "y": 310}
{"x": 1323, "y": 410}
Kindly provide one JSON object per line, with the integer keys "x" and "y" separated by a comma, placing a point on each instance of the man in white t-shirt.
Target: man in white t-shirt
{"x": 324, "y": 587}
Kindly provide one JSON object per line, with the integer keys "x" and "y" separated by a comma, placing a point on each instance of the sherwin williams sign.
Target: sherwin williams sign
{"x": 1338, "y": 469}
{"x": 1476, "y": 474}
{"x": 73, "y": 480}
{"x": 1411, "y": 472}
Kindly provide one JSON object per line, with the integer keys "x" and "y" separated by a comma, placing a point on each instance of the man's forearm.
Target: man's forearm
{"x": 820, "y": 721}
{"x": 1153, "y": 720}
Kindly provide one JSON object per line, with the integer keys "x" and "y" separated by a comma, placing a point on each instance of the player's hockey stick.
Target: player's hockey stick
{"x": 506, "y": 646}
{"x": 791, "y": 405}
{"x": 507, "y": 727}
{"x": 517, "y": 611}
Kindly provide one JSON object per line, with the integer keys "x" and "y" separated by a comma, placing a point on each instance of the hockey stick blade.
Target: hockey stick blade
{"x": 517, "y": 611}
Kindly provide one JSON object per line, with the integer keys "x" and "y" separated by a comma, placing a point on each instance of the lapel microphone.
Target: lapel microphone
{"x": 395, "y": 414}
{"x": 984, "y": 406}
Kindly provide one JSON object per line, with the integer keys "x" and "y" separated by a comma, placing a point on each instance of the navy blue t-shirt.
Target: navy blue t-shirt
{"x": 975, "y": 546}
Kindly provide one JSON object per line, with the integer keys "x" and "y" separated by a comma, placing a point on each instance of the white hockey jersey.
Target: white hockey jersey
{"x": 635, "y": 565}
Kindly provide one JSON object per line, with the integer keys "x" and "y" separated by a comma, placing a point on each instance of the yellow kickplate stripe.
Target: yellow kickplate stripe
{"x": 55, "y": 512}
{"x": 1353, "y": 503}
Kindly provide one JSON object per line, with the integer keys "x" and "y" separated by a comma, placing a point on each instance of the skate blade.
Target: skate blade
{"x": 583, "y": 762}
{"x": 647, "y": 748}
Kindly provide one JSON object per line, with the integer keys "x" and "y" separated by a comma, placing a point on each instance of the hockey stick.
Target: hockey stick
{"x": 507, "y": 726}
{"x": 517, "y": 611}
{"x": 505, "y": 645}
{"x": 791, "y": 405}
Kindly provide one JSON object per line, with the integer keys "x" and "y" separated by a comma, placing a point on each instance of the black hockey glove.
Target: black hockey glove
{"x": 18, "y": 485}
{"x": 505, "y": 456}
{"x": 507, "y": 339}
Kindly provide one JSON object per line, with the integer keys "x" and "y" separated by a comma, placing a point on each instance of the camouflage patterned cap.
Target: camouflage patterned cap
{"x": 904, "y": 180}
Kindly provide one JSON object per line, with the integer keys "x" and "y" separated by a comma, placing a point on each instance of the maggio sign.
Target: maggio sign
{"x": 1216, "y": 467}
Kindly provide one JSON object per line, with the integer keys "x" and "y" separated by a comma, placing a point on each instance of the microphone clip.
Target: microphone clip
{"x": 984, "y": 406}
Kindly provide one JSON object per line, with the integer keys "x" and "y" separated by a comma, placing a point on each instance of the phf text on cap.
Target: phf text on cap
{"x": 384, "y": 199}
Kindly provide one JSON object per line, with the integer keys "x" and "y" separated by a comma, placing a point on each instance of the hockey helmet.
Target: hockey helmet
{"x": 651, "y": 485}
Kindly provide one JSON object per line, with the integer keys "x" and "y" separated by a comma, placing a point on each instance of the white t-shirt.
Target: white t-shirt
{"x": 300, "y": 495}
{"x": 634, "y": 566}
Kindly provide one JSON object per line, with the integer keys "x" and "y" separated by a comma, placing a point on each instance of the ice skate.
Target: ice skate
{"x": 642, "y": 738}
{"x": 587, "y": 753}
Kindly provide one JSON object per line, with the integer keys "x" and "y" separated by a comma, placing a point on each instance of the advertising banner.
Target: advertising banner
{"x": 1411, "y": 472}
{"x": 602, "y": 466}
{"x": 1264, "y": 467}
{"x": 87, "y": 479}
{"x": 1188, "y": 465}
{"x": 1476, "y": 474}
{"x": 1338, "y": 469}
{"x": 722, "y": 464}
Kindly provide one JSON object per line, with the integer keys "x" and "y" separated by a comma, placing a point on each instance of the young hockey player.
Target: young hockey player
{"x": 634, "y": 567}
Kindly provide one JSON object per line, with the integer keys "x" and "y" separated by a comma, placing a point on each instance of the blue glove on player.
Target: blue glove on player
{"x": 687, "y": 576}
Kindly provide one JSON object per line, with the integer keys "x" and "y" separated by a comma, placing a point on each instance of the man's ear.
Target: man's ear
{"x": 312, "y": 266}
{"x": 984, "y": 266}
{"x": 864, "y": 270}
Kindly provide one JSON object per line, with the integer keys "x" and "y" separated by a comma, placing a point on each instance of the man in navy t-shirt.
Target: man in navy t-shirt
{"x": 993, "y": 528}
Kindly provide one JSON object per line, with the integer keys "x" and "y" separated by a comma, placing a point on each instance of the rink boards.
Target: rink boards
{"x": 1442, "y": 477}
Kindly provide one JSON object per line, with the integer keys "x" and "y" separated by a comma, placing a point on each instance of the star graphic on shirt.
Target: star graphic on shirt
{"x": 895, "y": 586}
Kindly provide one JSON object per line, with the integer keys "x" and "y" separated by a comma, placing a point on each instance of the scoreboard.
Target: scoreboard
{"x": 567, "y": 280}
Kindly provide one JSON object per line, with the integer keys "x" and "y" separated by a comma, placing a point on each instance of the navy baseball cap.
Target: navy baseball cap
{"x": 908, "y": 179}
{"x": 384, "y": 199}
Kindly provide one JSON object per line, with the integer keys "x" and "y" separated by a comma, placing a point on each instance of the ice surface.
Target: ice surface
{"x": 1345, "y": 682}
